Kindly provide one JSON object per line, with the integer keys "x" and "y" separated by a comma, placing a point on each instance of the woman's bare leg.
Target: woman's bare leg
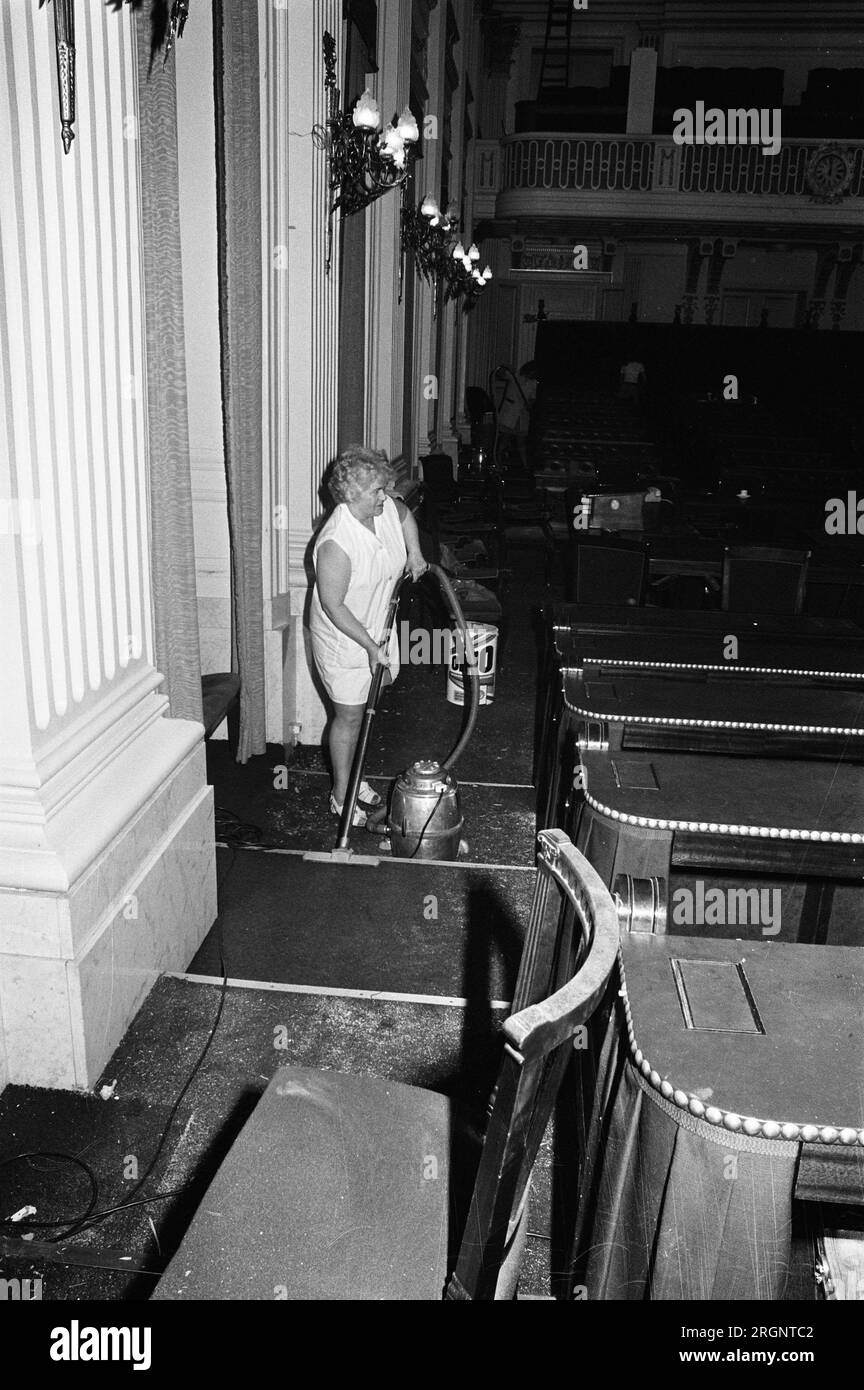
{"x": 344, "y": 732}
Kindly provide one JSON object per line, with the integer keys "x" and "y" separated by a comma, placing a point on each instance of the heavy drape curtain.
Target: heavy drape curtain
{"x": 175, "y": 609}
{"x": 238, "y": 203}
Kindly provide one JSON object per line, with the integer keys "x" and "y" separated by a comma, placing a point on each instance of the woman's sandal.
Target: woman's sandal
{"x": 368, "y": 798}
{"x": 359, "y": 817}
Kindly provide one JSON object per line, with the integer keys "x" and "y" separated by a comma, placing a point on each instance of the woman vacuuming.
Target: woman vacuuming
{"x": 360, "y": 553}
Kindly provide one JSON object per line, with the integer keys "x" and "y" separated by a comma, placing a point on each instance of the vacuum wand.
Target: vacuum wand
{"x": 350, "y": 803}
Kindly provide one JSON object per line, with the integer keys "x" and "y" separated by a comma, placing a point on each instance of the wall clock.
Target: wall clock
{"x": 829, "y": 174}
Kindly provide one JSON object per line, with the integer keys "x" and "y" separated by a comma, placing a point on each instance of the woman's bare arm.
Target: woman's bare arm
{"x": 416, "y": 563}
{"x": 333, "y": 575}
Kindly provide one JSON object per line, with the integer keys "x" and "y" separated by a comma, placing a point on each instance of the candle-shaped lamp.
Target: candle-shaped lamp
{"x": 407, "y": 127}
{"x": 366, "y": 115}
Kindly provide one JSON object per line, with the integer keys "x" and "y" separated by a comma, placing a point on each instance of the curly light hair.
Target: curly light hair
{"x": 354, "y": 470}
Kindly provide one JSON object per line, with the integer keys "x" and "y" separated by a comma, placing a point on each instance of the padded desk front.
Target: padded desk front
{"x": 682, "y": 637}
{"x": 716, "y": 714}
{"x": 656, "y": 653}
{"x": 730, "y": 1079}
{"x": 583, "y": 618}
{"x": 754, "y": 813}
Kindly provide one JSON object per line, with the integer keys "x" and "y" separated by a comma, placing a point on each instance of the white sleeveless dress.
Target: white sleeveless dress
{"x": 376, "y": 564}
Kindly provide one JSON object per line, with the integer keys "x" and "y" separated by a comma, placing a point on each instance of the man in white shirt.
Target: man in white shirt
{"x": 632, "y": 382}
{"x": 514, "y": 408}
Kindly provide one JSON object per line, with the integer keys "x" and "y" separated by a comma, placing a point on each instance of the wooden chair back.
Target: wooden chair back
{"x": 763, "y": 579}
{"x": 570, "y": 950}
{"x": 607, "y": 570}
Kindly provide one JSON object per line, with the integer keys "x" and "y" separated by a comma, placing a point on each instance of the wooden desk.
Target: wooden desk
{"x": 751, "y": 827}
{"x": 569, "y": 618}
{"x": 767, "y": 816}
{"x": 676, "y": 556}
{"x": 731, "y": 1080}
{"x": 672, "y": 638}
{"x": 704, "y": 713}
{"x": 736, "y": 1017}
{"x": 840, "y": 663}
{"x": 641, "y": 641}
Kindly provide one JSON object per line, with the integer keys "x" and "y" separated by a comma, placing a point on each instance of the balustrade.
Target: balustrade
{"x": 617, "y": 164}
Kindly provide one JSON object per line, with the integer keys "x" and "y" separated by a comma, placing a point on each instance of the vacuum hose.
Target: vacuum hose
{"x": 470, "y": 666}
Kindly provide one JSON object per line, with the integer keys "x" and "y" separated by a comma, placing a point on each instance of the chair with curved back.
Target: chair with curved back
{"x": 341, "y": 1186}
{"x": 608, "y": 569}
{"x": 763, "y": 579}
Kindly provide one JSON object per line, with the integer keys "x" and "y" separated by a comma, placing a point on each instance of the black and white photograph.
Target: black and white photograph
{"x": 431, "y": 668}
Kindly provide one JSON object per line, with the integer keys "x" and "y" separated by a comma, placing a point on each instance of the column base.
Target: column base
{"x": 297, "y": 712}
{"x": 76, "y": 965}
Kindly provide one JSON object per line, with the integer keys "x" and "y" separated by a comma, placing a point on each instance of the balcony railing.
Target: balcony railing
{"x": 621, "y": 164}
{"x": 581, "y": 165}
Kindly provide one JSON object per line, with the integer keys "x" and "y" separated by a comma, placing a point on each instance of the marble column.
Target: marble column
{"x": 301, "y": 374}
{"x": 106, "y": 823}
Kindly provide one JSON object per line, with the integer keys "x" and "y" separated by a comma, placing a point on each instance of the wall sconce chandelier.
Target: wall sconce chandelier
{"x": 363, "y": 163}
{"x": 439, "y": 256}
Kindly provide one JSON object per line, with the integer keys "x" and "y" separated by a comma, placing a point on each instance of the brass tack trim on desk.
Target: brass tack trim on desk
{"x": 765, "y": 832}
{"x": 794, "y": 1130}
{"x": 729, "y": 670}
{"x": 749, "y": 724}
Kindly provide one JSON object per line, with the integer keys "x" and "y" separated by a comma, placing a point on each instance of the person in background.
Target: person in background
{"x": 632, "y": 382}
{"x": 514, "y": 409}
{"x": 359, "y": 554}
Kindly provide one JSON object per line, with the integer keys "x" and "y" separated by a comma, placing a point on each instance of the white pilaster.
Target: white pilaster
{"x": 465, "y": 58}
{"x": 428, "y": 181}
{"x": 301, "y": 327}
{"x": 106, "y": 842}
{"x": 450, "y": 314}
{"x": 385, "y": 316}
{"x": 196, "y": 120}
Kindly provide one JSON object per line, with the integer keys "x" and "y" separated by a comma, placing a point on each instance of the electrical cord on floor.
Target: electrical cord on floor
{"x": 234, "y": 833}
{"x": 74, "y": 1225}
{"x": 231, "y": 830}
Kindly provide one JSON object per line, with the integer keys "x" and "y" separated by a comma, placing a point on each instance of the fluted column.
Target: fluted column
{"x": 385, "y": 316}
{"x": 426, "y": 365}
{"x": 106, "y": 854}
{"x": 450, "y": 334}
{"x": 301, "y": 375}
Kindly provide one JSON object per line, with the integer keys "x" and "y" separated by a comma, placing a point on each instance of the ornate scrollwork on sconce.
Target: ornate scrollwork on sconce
{"x": 64, "y": 42}
{"x": 363, "y": 164}
{"x": 440, "y": 258}
{"x": 167, "y": 25}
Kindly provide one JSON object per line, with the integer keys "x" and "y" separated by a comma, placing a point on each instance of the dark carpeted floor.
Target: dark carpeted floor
{"x": 414, "y": 928}
{"x": 301, "y": 930}
{"x": 448, "y": 932}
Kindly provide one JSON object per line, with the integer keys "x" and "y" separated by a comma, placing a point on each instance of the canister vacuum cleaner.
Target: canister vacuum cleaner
{"x": 424, "y": 817}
